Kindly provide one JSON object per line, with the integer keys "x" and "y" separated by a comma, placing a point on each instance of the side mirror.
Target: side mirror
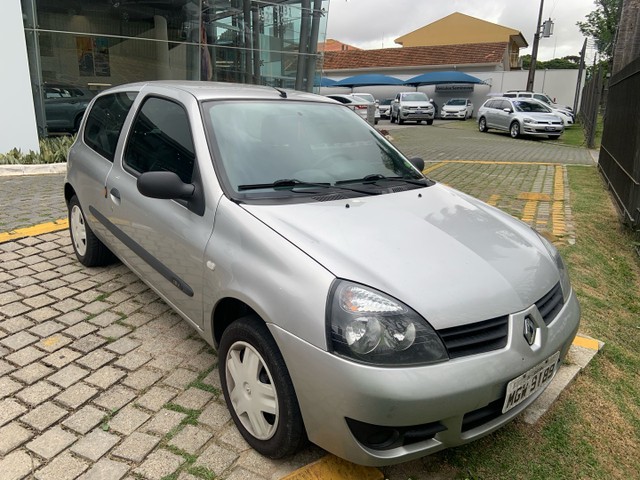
{"x": 164, "y": 185}
{"x": 508, "y": 110}
{"x": 395, "y": 100}
{"x": 417, "y": 162}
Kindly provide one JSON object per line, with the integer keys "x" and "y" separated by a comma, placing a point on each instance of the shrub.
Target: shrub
{"x": 52, "y": 150}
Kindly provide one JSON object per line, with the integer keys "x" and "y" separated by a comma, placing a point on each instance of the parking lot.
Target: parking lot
{"x": 99, "y": 379}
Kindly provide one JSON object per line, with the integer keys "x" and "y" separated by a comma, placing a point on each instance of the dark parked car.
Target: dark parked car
{"x": 64, "y": 106}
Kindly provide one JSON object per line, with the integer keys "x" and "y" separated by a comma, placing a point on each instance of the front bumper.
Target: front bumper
{"x": 413, "y": 115}
{"x": 541, "y": 129}
{"x": 452, "y": 394}
{"x": 459, "y": 114}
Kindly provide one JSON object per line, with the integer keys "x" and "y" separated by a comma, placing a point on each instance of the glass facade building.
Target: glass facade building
{"x": 95, "y": 44}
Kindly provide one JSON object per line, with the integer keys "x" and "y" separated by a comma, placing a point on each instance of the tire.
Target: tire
{"x": 400, "y": 120}
{"x": 89, "y": 250}
{"x": 554, "y": 137}
{"x": 248, "y": 349}
{"x": 430, "y": 122}
{"x": 482, "y": 125}
{"x": 514, "y": 129}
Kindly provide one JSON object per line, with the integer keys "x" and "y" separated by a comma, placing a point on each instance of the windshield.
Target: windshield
{"x": 524, "y": 106}
{"x": 457, "y": 101}
{"x": 414, "y": 97}
{"x": 366, "y": 96}
{"x": 261, "y": 143}
{"x": 386, "y": 101}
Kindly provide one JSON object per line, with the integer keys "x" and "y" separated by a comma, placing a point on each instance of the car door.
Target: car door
{"x": 162, "y": 240}
{"x": 503, "y": 118}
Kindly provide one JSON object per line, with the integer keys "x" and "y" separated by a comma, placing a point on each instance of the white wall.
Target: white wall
{"x": 17, "y": 115}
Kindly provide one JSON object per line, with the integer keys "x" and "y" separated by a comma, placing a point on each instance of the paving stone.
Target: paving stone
{"x": 159, "y": 464}
{"x": 114, "y": 331}
{"x": 12, "y": 436}
{"x": 136, "y": 447}
{"x": 14, "y": 309}
{"x": 180, "y": 378}
{"x": 216, "y": 458}
{"x": 191, "y": 439}
{"x": 80, "y": 329}
{"x": 62, "y": 357}
{"x": 29, "y": 291}
{"x": 62, "y": 292}
{"x": 115, "y": 398}
{"x": 258, "y": 464}
{"x": 155, "y": 398}
{"x": 142, "y": 379}
{"x": 136, "y": 319}
{"x": 53, "y": 343}
{"x": 132, "y": 360}
{"x": 88, "y": 343}
{"x": 95, "y": 444}
{"x": 105, "y": 377}
{"x": 166, "y": 362}
{"x": 25, "y": 356}
{"x": 18, "y": 340}
{"x": 201, "y": 362}
{"x": 123, "y": 345}
{"x": 64, "y": 467}
{"x": 106, "y": 469}
{"x": 46, "y": 329}
{"x": 17, "y": 465}
{"x": 42, "y": 314}
{"x": 189, "y": 348}
{"x": 215, "y": 415}
{"x": 6, "y": 367}
{"x": 231, "y": 437}
{"x": 72, "y": 317}
{"x": 31, "y": 373}
{"x": 68, "y": 305}
{"x": 85, "y": 419}
{"x": 51, "y": 442}
{"x": 43, "y": 416}
{"x": 164, "y": 421}
{"x": 193, "y": 399}
{"x": 68, "y": 376}
{"x": 242, "y": 474}
{"x": 213, "y": 379}
{"x": 8, "y": 387}
{"x": 96, "y": 359}
{"x": 106, "y": 319}
{"x": 128, "y": 420}
{"x": 15, "y": 325}
{"x": 76, "y": 395}
{"x": 96, "y": 307}
{"x": 37, "y": 393}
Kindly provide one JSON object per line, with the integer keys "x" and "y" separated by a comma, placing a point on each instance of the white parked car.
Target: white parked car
{"x": 460, "y": 108}
{"x": 355, "y": 103}
{"x": 370, "y": 98}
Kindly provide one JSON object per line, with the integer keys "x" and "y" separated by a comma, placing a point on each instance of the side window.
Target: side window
{"x": 525, "y": 95}
{"x": 105, "y": 121}
{"x": 505, "y": 104}
{"x": 160, "y": 140}
{"x": 492, "y": 104}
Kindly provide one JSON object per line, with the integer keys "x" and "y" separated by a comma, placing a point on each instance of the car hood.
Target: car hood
{"x": 448, "y": 256}
{"x": 417, "y": 104}
{"x": 454, "y": 108}
{"x": 540, "y": 117}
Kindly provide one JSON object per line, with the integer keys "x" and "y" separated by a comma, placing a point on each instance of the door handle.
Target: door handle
{"x": 115, "y": 195}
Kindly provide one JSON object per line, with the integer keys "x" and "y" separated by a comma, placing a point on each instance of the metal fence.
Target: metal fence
{"x": 619, "y": 160}
{"x": 590, "y": 106}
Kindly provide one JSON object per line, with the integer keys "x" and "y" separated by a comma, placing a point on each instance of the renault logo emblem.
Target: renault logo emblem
{"x": 529, "y": 330}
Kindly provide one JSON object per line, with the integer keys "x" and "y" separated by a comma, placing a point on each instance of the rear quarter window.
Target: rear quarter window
{"x": 105, "y": 120}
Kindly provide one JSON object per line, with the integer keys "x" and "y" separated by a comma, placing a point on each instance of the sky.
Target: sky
{"x": 373, "y": 24}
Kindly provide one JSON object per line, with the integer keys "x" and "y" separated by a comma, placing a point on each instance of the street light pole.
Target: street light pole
{"x": 534, "y": 51}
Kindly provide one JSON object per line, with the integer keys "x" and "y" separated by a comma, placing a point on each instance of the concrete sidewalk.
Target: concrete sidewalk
{"x": 100, "y": 379}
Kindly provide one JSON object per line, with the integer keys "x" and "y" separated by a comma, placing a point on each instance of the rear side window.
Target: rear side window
{"x": 160, "y": 140}
{"x": 105, "y": 121}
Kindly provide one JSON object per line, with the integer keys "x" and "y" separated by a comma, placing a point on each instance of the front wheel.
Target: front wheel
{"x": 89, "y": 250}
{"x": 258, "y": 389}
{"x": 430, "y": 122}
{"x": 514, "y": 130}
{"x": 400, "y": 121}
{"x": 482, "y": 125}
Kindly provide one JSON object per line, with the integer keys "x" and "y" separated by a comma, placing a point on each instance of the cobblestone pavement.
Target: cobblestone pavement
{"x": 99, "y": 379}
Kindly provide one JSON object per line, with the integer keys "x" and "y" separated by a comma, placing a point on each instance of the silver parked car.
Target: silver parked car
{"x": 412, "y": 106}
{"x": 519, "y": 116}
{"x": 275, "y": 223}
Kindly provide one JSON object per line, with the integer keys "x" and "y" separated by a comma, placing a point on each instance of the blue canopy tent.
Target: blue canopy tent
{"x": 435, "y": 78}
{"x": 367, "y": 80}
{"x": 324, "y": 82}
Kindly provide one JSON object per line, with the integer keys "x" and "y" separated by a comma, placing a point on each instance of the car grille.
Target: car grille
{"x": 479, "y": 337}
{"x": 550, "y": 305}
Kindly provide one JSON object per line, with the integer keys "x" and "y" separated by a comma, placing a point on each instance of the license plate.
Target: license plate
{"x": 418, "y": 112}
{"x": 551, "y": 129}
{"x": 522, "y": 387}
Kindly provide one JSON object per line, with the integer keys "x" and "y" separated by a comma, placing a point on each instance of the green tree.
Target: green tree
{"x": 601, "y": 25}
{"x": 565, "y": 63}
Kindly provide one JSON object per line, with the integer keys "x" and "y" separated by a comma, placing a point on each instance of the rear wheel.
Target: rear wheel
{"x": 258, "y": 389}
{"x": 482, "y": 125}
{"x": 89, "y": 250}
{"x": 514, "y": 130}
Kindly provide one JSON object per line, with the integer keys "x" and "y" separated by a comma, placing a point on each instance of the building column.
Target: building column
{"x": 163, "y": 70}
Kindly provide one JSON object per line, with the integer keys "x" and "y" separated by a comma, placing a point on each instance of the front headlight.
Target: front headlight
{"x": 565, "y": 283}
{"x": 371, "y": 327}
{"x": 529, "y": 120}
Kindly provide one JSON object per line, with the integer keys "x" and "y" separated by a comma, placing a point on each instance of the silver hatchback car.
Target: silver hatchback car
{"x": 276, "y": 224}
{"x": 519, "y": 116}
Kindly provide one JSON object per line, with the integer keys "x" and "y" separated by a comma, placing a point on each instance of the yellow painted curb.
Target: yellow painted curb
{"x": 586, "y": 342}
{"x": 40, "y": 229}
{"x": 541, "y": 197}
{"x": 334, "y": 468}
{"x": 433, "y": 167}
{"x": 495, "y": 162}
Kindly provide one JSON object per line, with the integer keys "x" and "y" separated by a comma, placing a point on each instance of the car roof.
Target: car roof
{"x": 203, "y": 91}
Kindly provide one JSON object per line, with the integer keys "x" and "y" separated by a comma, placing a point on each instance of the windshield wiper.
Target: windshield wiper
{"x": 374, "y": 177}
{"x": 291, "y": 183}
